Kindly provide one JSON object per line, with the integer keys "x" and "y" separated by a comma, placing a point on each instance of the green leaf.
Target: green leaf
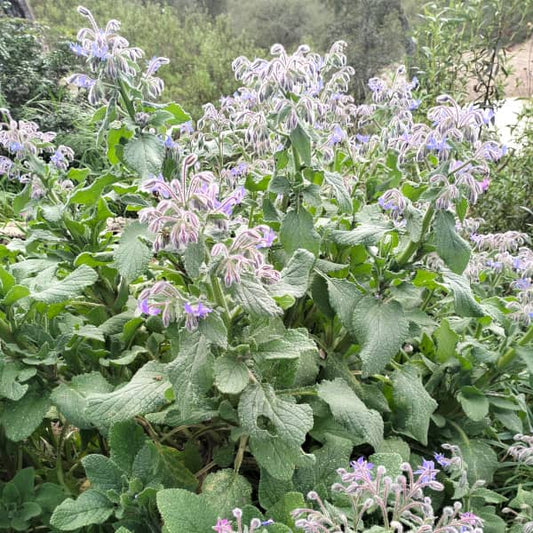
{"x": 67, "y": 288}
{"x": 126, "y": 439}
{"x": 90, "y": 194}
{"x": 174, "y": 472}
{"x": 224, "y": 490}
{"x": 71, "y": 398}
{"x": 298, "y": 231}
{"x": 481, "y": 460}
{"x": 145, "y": 393}
{"x": 132, "y": 255}
{"x": 452, "y": 248}
{"x": 302, "y": 142}
{"x": 367, "y": 234}
{"x": 254, "y": 298}
{"x": 214, "y": 329}
{"x": 290, "y": 345}
{"x": 15, "y": 293}
{"x": 277, "y": 429}
{"x": 145, "y": 154}
{"x": 381, "y": 329}
{"x": 102, "y": 472}
{"x": 180, "y": 116}
{"x": 91, "y": 507}
{"x": 182, "y": 511}
{"x": 231, "y": 374}
{"x": 335, "y": 453}
{"x": 413, "y": 406}
{"x": 295, "y": 276}
{"x": 281, "y": 512}
{"x": 349, "y": 411}
{"x": 391, "y": 461}
{"x": 193, "y": 258}
{"x": 271, "y": 490}
{"x": 344, "y": 297}
{"x": 191, "y": 373}
{"x": 465, "y": 304}
{"x": 447, "y": 340}
{"x": 474, "y": 403}
{"x": 21, "y": 418}
{"x": 11, "y": 379}
{"x": 340, "y": 191}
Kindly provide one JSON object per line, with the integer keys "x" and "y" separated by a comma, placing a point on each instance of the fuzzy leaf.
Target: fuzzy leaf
{"x": 225, "y": 490}
{"x": 67, "y": 288}
{"x": 191, "y": 373}
{"x": 277, "y": 429}
{"x": 184, "y": 511}
{"x": 413, "y": 405}
{"x": 254, "y": 298}
{"x": 231, "y": 374}
{"x": 145, "y": 393}
{"x": 367, "y": 233}
{"x": 145, "y": 154}
{"x": 298, "y": 231}
{"x": 381, "y": 328}
{"x": 343, "y": 297}
{"x": 474, "y": 403}
{"x": 295, "y": 276}
{"x": 91, "y": 507}
{"x": 21, "y": 418}
{"x": 451, "y": 247}
{"x": 71, "y": 398}
{"x": 302, "y": 142}
{"x": 102, "y": 473}
{"x": 132, "y": 255}
{"x": 290, "y": 345}
{"x": 349, "y": 411}
{"x": 465, "y": 304}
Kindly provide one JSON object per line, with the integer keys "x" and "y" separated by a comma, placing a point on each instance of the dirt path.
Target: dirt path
{"x": 520, "y": 82}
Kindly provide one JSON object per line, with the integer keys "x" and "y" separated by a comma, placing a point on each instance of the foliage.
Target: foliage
{"x": 239, "y": 306}
{"x": 507, "y": 204}
{"x": 201, "y": 49}
{"x": 460, "y": 47}
{"x": 26, "y": 71}
{"x": 288, "y": 23}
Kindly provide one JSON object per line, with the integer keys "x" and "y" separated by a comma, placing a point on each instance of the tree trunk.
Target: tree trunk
{"x": 18, "y": 8}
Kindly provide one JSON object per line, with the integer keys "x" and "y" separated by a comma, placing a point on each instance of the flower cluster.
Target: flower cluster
{"x": 24, "y": 142}
{"x": 110, "y": 57}
{"x": 225, "y": 526}
{"x": 503, "y": 253}
{"x": 185, "y": 206}
{"x": 164, "y": 299}
{"x": 522, "y": 451}
{"x": 243, "y": 255}
{"x": 400, "y": 501}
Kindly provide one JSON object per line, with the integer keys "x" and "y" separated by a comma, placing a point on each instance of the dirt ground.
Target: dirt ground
{"x": 520, "y": 82}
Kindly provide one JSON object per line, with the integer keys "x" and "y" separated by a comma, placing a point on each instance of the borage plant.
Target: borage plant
{"x": 246, "y": 303}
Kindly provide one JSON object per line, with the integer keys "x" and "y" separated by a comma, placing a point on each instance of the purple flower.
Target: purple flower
{"x": 147, "y": 309}
{"x": 78, "y": 50}
{"x": 81, "y": 80}
{"x": 441, "y": 459}
{"x": 187, "y": 127}
{"x": 433, "y": 144}
{"x": 15, "y": 147}
{"x": 336, "y": 136}
{"x": 362, "y": 469}
{"x": 170, "y": 143}
{"x": 485, "y": 184}
{"x": 223, "y": 526}
{"x": 427, "y": 471}
{"x": 239, "y": 170}
{"x": 194, "y": 312}
{"x": 363, "y": 139}
{"x": 268, "y": 236}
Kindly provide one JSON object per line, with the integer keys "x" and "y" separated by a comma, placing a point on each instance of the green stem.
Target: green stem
{"x": 413, "y": 246}
{"x": 127, "y": 102}
{"x": 220, "y": 300}
{"x": 510, "y": 354}
{"x": 5, "y": 332}
{"x": 240, "y": 453}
